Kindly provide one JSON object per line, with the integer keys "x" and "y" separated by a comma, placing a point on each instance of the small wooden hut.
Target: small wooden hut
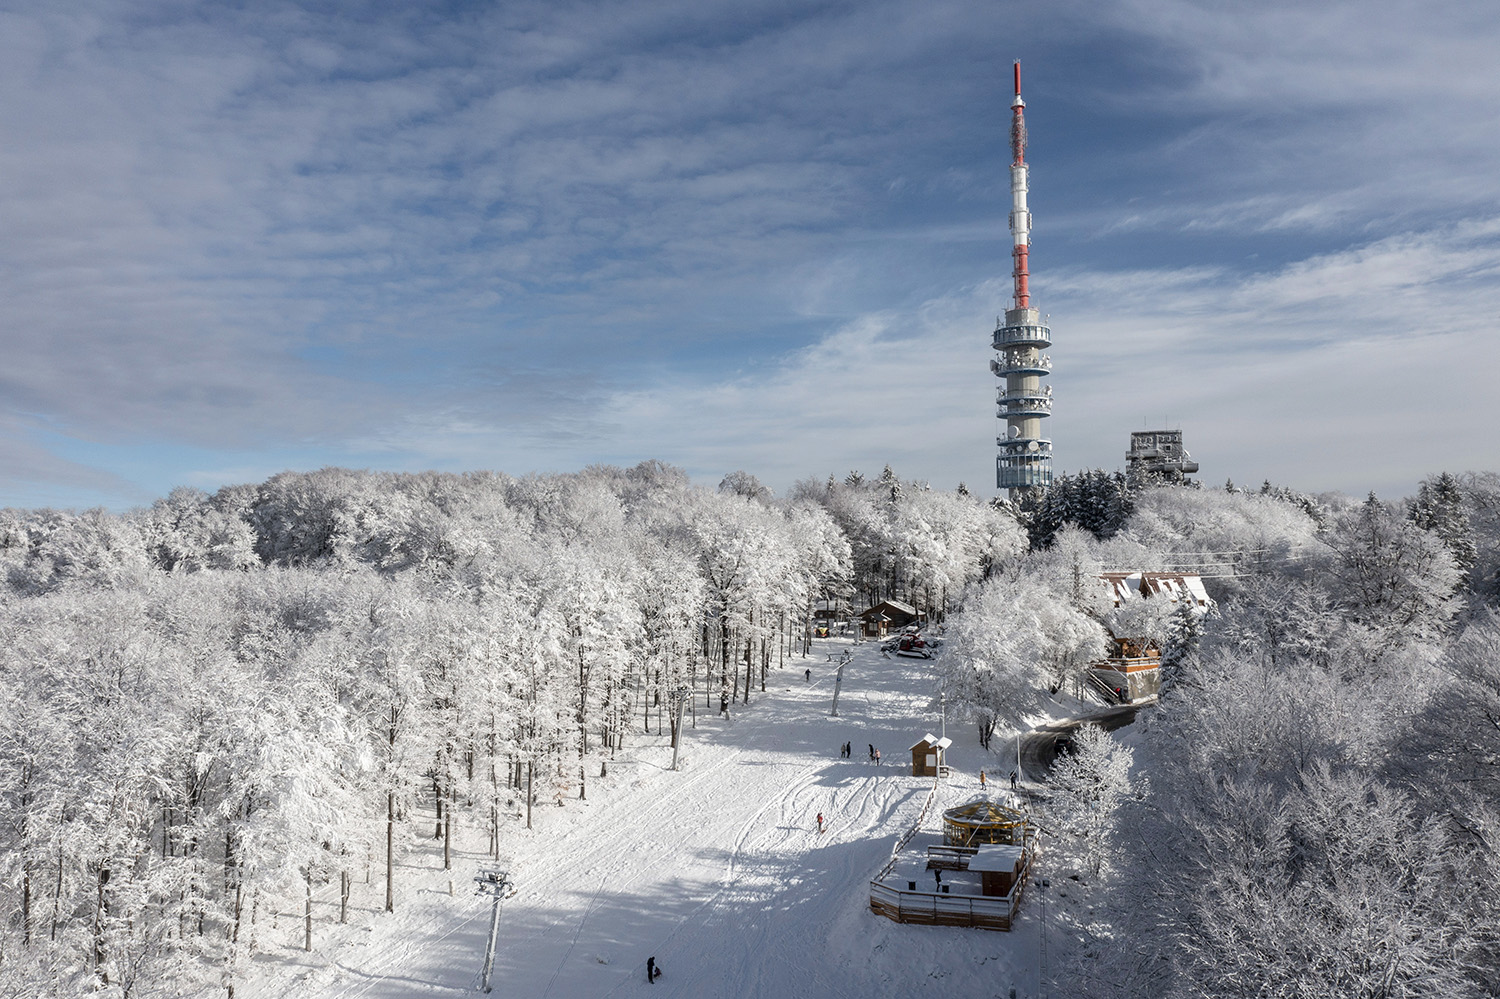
{"x": 983, "y": 821}
{"x": 999, "y": 867}
{"x": 928, "y": 756}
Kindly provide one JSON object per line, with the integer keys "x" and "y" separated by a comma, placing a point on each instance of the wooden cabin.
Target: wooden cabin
{"x": 929, "y": 756}
{"x": 888, "y": 616}
{"x": 999, "y": 866}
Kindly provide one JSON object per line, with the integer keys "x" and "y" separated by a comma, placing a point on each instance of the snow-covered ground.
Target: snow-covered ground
{"x": 717, "y": 870}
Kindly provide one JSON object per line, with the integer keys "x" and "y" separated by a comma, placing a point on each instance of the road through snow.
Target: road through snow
{"x": 717, "y": 870}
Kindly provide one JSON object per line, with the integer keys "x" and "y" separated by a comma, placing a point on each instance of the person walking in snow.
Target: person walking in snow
{"x": 652, "y": 971}
{"x": 1012, "y": 780}
{"x": 877, "y": 757}
{"x": 981, "y": 780}
{"x": 820, "y": 822}
{"x": 872, "y": 753}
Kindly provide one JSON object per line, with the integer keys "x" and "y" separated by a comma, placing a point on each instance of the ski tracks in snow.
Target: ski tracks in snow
{"x": 718, "y": 869}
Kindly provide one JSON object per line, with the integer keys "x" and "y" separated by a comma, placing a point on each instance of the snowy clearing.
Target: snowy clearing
{"x": 717, "y": 870}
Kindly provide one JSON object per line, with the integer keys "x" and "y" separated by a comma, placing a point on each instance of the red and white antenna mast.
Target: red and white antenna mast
{"x": 1024, "y": 464}
{"x": 1020, "y": 217}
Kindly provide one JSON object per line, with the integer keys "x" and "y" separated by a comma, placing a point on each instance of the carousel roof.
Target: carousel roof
{"x": 983, "y": 812}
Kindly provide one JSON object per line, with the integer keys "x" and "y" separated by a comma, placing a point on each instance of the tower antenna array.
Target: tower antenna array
{"x": 1024, "y": 464}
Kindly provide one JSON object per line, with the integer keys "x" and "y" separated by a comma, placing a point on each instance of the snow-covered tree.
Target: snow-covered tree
{"x": 1085, "y": 788}
{"x": 1011, "y": 641}
{"x": 1389, "y": 575}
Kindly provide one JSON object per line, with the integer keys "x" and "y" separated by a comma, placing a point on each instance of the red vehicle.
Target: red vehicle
{"x": 911, "y": 644}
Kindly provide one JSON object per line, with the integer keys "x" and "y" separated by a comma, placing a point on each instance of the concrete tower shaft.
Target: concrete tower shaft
{"x": 1025, "y": 459}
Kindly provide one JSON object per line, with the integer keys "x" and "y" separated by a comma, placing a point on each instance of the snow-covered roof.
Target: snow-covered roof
{"x": 997, "y": 857}
{"x": 894, "y": 605}
{"x": 933, "y": 741}
{"x": 1174, "y": 587}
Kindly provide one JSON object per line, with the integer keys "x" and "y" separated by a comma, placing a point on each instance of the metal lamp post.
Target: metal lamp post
{"x": 494, "y": 883}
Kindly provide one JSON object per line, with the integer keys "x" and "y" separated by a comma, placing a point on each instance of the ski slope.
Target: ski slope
{"x": 717, "y": 870}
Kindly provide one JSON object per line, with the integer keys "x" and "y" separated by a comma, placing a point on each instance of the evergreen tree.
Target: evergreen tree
{"x": 1439, "y": 508}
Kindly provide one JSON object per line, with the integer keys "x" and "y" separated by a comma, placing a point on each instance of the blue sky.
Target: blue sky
{"x": 771, "y": 236}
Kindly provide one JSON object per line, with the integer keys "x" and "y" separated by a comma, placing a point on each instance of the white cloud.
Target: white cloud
{"x": 480, "y": 239}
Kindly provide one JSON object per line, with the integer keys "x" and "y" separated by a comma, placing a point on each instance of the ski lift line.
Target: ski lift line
{"x": 1235, "y": 562}
{"x": 1198, "y": 568}
{"x": 1241, "y": 552}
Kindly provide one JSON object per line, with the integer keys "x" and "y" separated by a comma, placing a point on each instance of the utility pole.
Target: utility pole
{"x": 838, "y": 679}
{"x": 1042, "y": 970}
{"x": 681, "y": 694}
{"x": 494, "y": 883}
{"x": 943, "y": 732}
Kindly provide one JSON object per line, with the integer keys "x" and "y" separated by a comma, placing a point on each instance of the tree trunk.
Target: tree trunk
{"x": 390, "y": 851}
{"x": 101, "y": 912}
{"x": 749, "y": 666}
{"x": 26, "y": 906}
{"x": 724, "y": 650}
{"x": 583, "y": 729}
{"x": 307, "y": 909}
{"x": 448, "y": 836}
{"x": 57, "y": 895}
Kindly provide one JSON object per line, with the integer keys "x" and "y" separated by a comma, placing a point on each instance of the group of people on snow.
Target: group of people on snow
{"x": 847, "y": 752}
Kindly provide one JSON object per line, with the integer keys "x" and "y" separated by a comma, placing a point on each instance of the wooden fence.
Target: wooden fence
{"x": 905, "y": 837}
{"x": 990, "y": 912}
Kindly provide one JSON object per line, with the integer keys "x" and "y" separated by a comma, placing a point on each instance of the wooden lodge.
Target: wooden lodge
{"x": 888, "y": 616}
{"x": 1133, "y": 668}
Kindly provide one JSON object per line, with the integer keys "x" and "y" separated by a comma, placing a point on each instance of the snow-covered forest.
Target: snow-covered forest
{"x": 217, "y": 706}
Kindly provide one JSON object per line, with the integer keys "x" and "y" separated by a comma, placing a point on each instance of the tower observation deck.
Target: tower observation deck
{"x": 1022, "y": 338}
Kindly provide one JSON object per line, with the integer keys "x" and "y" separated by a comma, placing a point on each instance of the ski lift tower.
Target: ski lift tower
{"x": 1024, "y": 464}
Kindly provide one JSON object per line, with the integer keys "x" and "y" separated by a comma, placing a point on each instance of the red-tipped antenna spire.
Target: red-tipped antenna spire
{"x": 1020, "y": 217}
{"x": 1024, "y": 464}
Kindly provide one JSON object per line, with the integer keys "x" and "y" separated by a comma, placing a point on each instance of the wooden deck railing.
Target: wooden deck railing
{"x": 905, "y": 837}
{"x": 991, "y": 912}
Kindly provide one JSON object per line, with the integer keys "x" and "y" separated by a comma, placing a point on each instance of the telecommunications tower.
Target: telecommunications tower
{"x": 1024, "y": 464}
